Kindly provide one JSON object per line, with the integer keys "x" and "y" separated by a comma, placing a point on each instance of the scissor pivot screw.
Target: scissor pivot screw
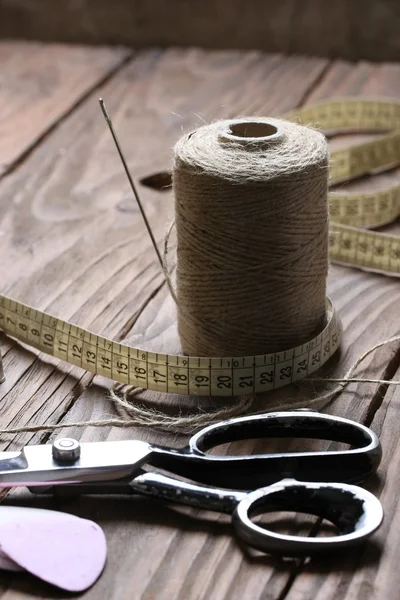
{"x": 66, "y": 450}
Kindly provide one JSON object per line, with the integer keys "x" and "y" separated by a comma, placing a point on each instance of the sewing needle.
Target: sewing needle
{"x": 134, "y": 190}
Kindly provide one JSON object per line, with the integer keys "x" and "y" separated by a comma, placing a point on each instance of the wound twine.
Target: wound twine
{"x": 252, "y": 236}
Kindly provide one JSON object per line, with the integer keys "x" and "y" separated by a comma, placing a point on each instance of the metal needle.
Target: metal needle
{"x": 2, "y": 377}
{"x": 110, "y": 125}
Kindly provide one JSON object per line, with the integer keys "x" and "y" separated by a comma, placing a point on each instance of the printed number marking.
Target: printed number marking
{"x": 91, "y": 357}
{"x": 302, "y": 366}
{"x": 140, "y": 373}
{"x": 266, "y": 377}
{"x": 122, "y": 367}
{"x": 316, "y": 358}
{"x": 76, "y": 351}
{"x": 159, "y": 377}
{"x": 224, "y": 381}
{"x": 180, "y": 379}
{"x": 48, "y": 340}
{"x": 202, "y": 381}
{"x": 105, "y": 362}
{"x": 285, "y": 373}
{"x": 62, "y": 346}
{"x": 246, "y": 381}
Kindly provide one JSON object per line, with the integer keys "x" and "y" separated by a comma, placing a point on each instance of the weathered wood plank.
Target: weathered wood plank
{"x": 352, "y": 30}
{"x": 39, "y": 84}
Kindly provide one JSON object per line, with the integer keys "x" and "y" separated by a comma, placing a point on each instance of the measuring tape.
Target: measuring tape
{"x": 164, "y": 372}
{"x": 231, "y": 376}
{"x": 350, "y": 245}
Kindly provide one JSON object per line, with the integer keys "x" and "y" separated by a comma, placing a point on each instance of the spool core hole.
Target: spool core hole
{"x": 253, "y": 129}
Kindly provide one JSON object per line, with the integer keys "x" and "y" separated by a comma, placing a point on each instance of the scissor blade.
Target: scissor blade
{"x": 98, "y": 461}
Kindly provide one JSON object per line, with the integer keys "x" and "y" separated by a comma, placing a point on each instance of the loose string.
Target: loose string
{"x": 142, "y": 416}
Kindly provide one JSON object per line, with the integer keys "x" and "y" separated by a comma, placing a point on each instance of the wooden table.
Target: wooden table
{"x": 72, "y": 242}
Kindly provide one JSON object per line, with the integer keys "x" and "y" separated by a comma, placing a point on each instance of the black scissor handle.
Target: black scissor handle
{"x": 249, "y": 472}
{"x": 302, "y": 423}
{"x": 355, "y": 512}
{"x": 352, "y": 465}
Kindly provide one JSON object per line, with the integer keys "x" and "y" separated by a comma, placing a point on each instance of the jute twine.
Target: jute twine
{"x": 252, "y": 259}
{"x": 252, "y": 237}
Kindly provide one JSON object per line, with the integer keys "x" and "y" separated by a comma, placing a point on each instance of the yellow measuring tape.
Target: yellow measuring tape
{"x": 165, "y": 372}
{"x": 350, "y": 243}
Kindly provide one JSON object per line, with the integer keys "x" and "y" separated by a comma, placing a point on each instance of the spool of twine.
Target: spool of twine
{"x": 252, "y": 236}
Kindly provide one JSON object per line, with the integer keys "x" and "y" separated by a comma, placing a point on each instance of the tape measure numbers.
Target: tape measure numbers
{"x": 164, "y": 372}
{"x": 350, "y": 246}
{"x": 364, "y": 249}
{"x": 229, "y": 376}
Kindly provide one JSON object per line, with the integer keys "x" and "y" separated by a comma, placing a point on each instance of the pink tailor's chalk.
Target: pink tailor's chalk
{"x": 61, "y": 549}
{"x": 18, "y": 513}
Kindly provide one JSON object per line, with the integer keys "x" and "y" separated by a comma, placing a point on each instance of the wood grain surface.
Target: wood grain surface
{"x": 72, "y": 242}
{"x": 359, "y": 29}
{"x": 39, "y": 85}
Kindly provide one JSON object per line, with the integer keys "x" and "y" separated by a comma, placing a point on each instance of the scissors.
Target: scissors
{"x": 241, "y": 485}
